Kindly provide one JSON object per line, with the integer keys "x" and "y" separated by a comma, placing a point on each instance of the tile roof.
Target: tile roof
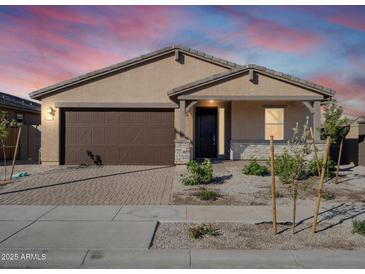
{"x": 240, "y": 69}
{"x": 233, "y": 69}
{"x": 100, "y": 72}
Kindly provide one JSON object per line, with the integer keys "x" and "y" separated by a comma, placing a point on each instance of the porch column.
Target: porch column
{"x": 316, "y": 120}
{"x": 182, "y": 118}
{"x": 182, "y": 144}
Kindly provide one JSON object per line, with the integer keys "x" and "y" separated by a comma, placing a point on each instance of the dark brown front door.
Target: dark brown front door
{"x": 206, "y": 133}
{"x": 117, "y": 136}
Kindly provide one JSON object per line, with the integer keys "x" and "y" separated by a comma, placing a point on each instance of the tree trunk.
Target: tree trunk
{"x": 4, "y": 154}
{"x": 339, "y": 161}
{"x": 320, "y": 187}
{"x": 295, "y": 196}
{"x": 273, "y": 186}
{"x": 315, "y": 152}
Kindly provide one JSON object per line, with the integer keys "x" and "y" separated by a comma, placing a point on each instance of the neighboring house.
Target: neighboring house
{"x": 28, "y": 116}
{"x": 173, "y": 105}
{"x": 354, "y": 144}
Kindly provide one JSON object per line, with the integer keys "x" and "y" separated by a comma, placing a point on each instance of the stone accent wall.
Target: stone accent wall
{"x": 182, "y": 151}
{"x": 261, "y": 150}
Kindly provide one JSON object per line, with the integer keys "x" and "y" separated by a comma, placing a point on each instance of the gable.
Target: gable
{"x": 244, "y": 86}
{"x": 147, "y": 82}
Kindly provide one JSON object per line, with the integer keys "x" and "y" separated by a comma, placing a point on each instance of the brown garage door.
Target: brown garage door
{"x": 128, "y": 136}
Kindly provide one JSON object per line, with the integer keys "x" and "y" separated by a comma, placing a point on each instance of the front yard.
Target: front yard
{"x": 259, "y": 237}
{"x": 235, "y": 188}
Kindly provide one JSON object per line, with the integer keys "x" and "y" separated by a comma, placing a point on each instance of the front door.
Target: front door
{"x": 206, "y": 133}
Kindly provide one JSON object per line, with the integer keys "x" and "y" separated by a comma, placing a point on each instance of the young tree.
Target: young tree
{"x": 291, "y": 164}
{"x": 5, "y": 124}
{"x": 336, "y": 127}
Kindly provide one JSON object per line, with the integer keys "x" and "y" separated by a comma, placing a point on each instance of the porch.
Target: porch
{"x": 239, "y": 129}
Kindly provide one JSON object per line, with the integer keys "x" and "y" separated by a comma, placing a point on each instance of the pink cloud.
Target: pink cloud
{"x": 52, "y": 44}
{"x": 268, "y": 34}
{"x": 348, "y": 91}
{"x": 349, "y": 20}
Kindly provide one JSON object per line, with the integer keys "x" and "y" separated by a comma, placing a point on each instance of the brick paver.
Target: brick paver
{"x": 92, "y": 185}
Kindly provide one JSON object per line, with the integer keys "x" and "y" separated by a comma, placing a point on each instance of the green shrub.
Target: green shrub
{"x": 331, "y": 167}
{"x": 288, "y": 167}
{"x": 254, "y": 168}
{"x": 358, "y": 227}
{"x": 199, "y": 231}
{"x": 208, "y": 195}
{"x": 198, "y": 174}
{"x": 328, "y": 196}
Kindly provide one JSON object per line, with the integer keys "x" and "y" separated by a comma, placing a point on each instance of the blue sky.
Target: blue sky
{"x": 42, "y": 45}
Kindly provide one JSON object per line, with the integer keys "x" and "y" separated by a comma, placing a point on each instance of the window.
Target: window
{"x": 274, "y": 123}
{"x": 19, "y": 119}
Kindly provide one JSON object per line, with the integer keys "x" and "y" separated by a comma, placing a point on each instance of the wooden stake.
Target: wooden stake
{"x": 319, "y": 194}
{"x": 15, "y": 153}
{"x": 339, "y": 161}
{"x": 315, "y": 152}
{"x": 273, "y": 187}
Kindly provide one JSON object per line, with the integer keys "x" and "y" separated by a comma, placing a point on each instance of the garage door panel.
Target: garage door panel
{"x": 78, "y": 135}
{"x": 98, "y": 136}
{"x": 119, "y": 137}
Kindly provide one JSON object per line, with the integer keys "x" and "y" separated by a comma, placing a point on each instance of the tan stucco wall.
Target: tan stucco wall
{"x": 242, "y": 86}
{"x": 248, "y": 119}
{"x": 148, "y": 83}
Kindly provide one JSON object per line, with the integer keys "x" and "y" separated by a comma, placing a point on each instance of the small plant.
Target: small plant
{"x": 199, "y": 231}
{"x": 328, "y": 196}
{"x": 254, "y": 168}
{"x": 208, "y": 195}
{"x": 331, "y": 167}
{"x": 358, "y": 227}
{"x": 278, "y": 194}
{"x": 198, "y": 174}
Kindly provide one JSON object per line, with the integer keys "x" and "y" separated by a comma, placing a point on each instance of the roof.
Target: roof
{"x": 261, "y": 69}
{"x": 18, "y": 103}
{"x": 116, "y": 67}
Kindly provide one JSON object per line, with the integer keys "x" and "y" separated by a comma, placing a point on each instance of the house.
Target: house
{"x": 173, "y": 105}
{"x": 27, "y": 115}
{"x": 354, "y": 144}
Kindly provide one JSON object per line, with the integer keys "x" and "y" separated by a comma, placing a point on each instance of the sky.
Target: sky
{"x": 43, "y": 45}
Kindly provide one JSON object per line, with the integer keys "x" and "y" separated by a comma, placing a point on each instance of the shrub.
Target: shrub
{"x": 288, "y": 167}
{"x": 208, "y": 195}
{"x": 254, "y": 168}
{"x": 199, "y": 231}
{"x": 328, "y": 196}
{"x": 198, "y": 174}
{"x": 358, "y": 227}
{"x": 331, "y": 167}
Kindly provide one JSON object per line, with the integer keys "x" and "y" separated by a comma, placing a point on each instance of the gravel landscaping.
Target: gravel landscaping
{"x": 259, "y": 236}
{"x": 236, "y": 188}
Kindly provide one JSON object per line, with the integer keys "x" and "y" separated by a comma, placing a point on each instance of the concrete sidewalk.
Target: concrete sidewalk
{"x": 182, "y": 258}
{"x": 246, "y": 214}
{"x": 120, "y": 237}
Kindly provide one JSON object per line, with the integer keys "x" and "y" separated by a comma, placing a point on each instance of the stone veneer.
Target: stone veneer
{"x": 182, "y": 151}
{"x": 260, "y": 150}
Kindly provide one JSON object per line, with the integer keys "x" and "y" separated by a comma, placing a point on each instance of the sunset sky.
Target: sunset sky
{"x": 40, "y": 46}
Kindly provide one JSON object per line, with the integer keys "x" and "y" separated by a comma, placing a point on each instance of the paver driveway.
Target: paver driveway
{"x": 92, "y": 185}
